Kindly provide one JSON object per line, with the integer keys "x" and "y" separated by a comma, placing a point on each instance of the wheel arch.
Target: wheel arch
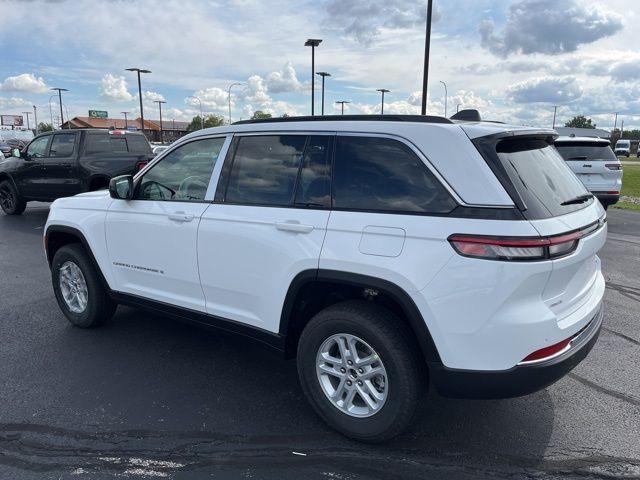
{"x": 304, "y": 287}
{"x": 5, "y": 176}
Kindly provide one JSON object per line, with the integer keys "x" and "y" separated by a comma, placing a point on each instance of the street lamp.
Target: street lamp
{"x": 28, "y": 125}
{"x": 313, "y": 43}
{"x": 382, "y": 91}
{"x": 51, "y": 110}
{"x": 201, "y": 116}
{"x": 555, "y": 109}
{"x": 342, "y": 102}
{"x": 427, "y": 45}
{"x": 139, "y": 71}
{"x": 445, "y": 97}
{"x": 60, "y": 90}
{"x": 229, "y": 97}
{"x": 35, "y": 118}
{"x": 458, "y": 107}
{"x": 323, "y": 75}
{"x": 160, "y": 102}
{"x": 126, "y": 123}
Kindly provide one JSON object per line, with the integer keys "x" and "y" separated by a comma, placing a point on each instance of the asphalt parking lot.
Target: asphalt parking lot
{"x": 147, "y": 397}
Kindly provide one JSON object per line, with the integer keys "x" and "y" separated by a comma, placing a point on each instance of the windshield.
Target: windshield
{"x": 541, "y": 177}
{"x": 585, "y": 151}
{"x": 623, "y": 144}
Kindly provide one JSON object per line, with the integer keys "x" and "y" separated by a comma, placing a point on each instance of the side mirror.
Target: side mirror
{"x": 15, "y": 152}
{"x": 121, "y": 187}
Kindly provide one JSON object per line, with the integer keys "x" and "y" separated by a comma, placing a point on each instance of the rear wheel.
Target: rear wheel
{"x": 360, "y": 371}
{"x": 10, "y": 200}
{"x": 78, "y": 288}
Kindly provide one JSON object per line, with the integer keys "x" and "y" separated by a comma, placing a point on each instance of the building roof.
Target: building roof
{"x": 119, "y": 123}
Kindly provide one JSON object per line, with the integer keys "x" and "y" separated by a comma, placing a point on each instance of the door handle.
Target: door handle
{"x": 293, "y": 226}
{"x": 181, "y": 217}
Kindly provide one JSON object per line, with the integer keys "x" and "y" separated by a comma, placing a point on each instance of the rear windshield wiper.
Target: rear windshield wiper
{"x": 582, "y": 157}
{"x": 578, "y": 199}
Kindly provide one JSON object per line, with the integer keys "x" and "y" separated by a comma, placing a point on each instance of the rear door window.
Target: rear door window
{"x": 382, "y": 174}
{"x": 62, "y": 145}
{"x": 585, "y": 151}
{"x": 109, "y": 143}
{"x": 542, "y": 178}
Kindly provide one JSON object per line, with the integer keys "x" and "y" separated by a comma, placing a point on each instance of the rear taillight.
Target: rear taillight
{"x": 613, "y": 166}
{"x": 141, "y": 165}
{"x": 520, "y": 248}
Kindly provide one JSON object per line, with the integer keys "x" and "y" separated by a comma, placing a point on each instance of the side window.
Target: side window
{"x": 62, "y": 145}
{"x": 382, "y": 174}
{"x": 38, "y": 148}
{"x": 314, "y": 183}
{"x": 98, "y": 143}
{"x": 182, "y": 175}
{"x": 118, "y": 144}
{"x": 265, "y": 169}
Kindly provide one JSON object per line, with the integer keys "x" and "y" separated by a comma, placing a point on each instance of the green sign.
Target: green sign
{"x": 98, "y": 114}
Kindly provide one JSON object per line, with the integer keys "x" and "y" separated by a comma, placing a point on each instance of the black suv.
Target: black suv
{"x": 68, "y": 162}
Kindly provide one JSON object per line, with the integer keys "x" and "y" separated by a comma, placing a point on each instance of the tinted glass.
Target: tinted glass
{"x": 385, "y": 175}
{"x": 138, "y": 144}
{"x": 265, "y": 169}
{"x": 184, "y": 174}
{"x": 541, "y": 176}
{"x": 585, "y": 151}
{"x": 314, "y": 184}
{"x": 38, "y": 147}
{"x": 62, "y": 145}
{"x": 118, "y": 144}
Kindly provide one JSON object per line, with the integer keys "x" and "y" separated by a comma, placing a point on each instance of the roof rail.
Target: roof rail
{"x": 350, "y": 118}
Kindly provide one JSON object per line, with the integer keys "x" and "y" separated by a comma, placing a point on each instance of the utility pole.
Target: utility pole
{"x": 427, "y": 46}
{"x": 323, "y": 75}
{"x": 160, "y": 102}
{"x": 28, "y": 125}
{"x": 382, "y": 91}
{"x": 615, "y": 123}
{"x": 313, "y": 43}
{"x": 555, "y": 109}
{"x": 126, "y": 123}
{"x": 342, "y": 102}
{"x": 60, "y": 90}
{"x": 35, "y": 118}
{"x": 139, "y": 71}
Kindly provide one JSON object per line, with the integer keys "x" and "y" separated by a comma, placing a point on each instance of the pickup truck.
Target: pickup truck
{"x": 67, "y": 162}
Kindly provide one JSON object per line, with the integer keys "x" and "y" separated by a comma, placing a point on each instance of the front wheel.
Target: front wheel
{"x": 360, "y": 370}
{"x": 10, "y": 200}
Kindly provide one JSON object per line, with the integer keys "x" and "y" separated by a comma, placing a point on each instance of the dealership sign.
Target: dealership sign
{"x": 12, "y": 120}
{"x": 98, "y": 114}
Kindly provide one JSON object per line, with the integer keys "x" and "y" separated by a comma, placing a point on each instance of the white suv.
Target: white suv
{"x": 381, "y": 252}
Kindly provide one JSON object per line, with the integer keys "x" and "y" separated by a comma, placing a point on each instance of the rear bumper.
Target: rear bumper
{"x": 607, "y": 198}
{"x": 519, "y": 380}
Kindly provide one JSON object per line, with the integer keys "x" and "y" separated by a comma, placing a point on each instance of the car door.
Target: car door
{"x": 59, "y": 167}
{"x": 30, "y": 176}
{"x": 266, "y": 226}
{"x": 152, "y": 239}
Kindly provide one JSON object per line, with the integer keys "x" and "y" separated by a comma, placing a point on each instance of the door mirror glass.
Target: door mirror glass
{"x": 121, "y": 187}
{"x": 15, "y": 152}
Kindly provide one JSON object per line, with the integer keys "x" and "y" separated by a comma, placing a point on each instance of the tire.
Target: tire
{"x": 98, "y": 306}
{"x": 389, "y": 338}
{"x": 10, "y": 200}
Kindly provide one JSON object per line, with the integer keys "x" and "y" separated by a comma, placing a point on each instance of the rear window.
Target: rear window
{"x": 107, "y": 143}
{"x": 541, "y": 177}
{"x": 585, "y": 151}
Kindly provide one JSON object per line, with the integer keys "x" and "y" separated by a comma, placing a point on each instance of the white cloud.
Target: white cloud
{"x": 13, "y": 102}
{"x": 25, "y": 82}
{"x": 284, "y": 81}
{"x": 545, "y": 90}
{"x": 549, "y": 26}
{"x": 114, "y": 88}
{"x": 213, "y": 99}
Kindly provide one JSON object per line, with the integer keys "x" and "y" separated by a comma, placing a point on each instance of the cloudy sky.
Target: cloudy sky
{"x": 510, "y": 59}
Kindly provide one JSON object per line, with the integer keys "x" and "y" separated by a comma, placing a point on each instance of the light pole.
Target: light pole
{"x": 458, "y": 107}
{"x": 126, "y": 123}
{"x": 313, "y": 43}
{"x": 160, "y": 102}
{"x": 555, "y": 109}
{"x": 28, "y": 124}
{"x": 342, "y": 102}
{"x": 51, "y": 110}
{"x": 60, "y": 90}
{"x": 382, "y": 91}
{"x": 323, "y": 75}
{"x": 427, "y": 46}
{"x": 35, "y": 118}
{"x": 446, "y": 95}
{"x": 201, "y": 115}
{"x": 139, "y": 71}
{"x": 229, "y": 97}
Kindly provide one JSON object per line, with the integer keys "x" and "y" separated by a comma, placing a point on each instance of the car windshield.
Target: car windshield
{"x": 623, "y": 144}
{"x": 585, "y": 151}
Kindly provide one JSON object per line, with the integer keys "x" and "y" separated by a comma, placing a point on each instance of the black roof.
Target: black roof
{"x": 351, "y": 118}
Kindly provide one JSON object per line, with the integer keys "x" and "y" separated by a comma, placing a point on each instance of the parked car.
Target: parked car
{"x": 2, "y": 158}
{"x": 379, "y": 251}
{"x": 159, "y": 149}
{"x": 595, "y": 164}
{"x": 12, "y": 139}
{"x": 64, "y": 163}
{"x": 623, "y": 147}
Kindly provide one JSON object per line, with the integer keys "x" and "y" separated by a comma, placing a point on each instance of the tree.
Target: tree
{"x": 44, "y": 127}
{"x": 259, "y": 115}
{"x": 580, "y": 121}
{"x": 209, "y": 121}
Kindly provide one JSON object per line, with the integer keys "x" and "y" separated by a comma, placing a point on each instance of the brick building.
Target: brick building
{"x": 172, "y": 129}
